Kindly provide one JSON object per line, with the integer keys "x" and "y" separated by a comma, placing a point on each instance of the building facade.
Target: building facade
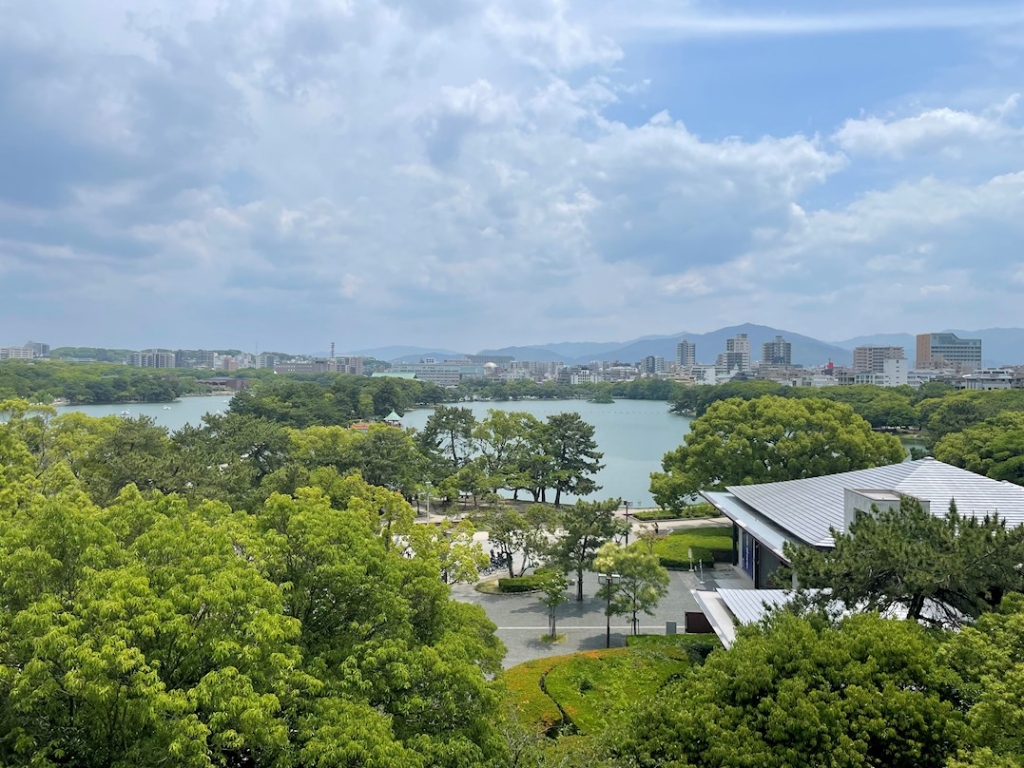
{"x": 944, "y": 350}
{"x": 737, "y": 352}
{"x": 686, "y": 354}
{"x": 777, "y": 352}
{"x": 872, "y": 359}
{"x": 153, "y": 358}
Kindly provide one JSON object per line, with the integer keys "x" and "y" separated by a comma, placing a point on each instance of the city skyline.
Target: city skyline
{"x": 493, "y": 173}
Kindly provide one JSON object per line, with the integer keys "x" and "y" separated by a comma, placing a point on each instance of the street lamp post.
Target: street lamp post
{"x": 428, "y": 501}
{"x": 609, "y": 580}
{"x": 628, "y": 526}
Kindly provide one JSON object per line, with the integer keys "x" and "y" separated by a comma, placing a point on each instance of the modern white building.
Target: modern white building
{"x": 992, "y": 378}
{"x": 894, "y": 373}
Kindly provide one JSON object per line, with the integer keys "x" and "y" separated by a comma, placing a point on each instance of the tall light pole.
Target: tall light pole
{"x": 428, "y": 501}
{"x": 628, "y": 526}
{"x": 609, "y": 580}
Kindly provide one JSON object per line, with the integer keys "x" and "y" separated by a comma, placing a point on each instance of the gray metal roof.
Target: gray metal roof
{"x": 810, "y": 507}
{"x": 750, "y": 605}
{"x": 763, "y": 530}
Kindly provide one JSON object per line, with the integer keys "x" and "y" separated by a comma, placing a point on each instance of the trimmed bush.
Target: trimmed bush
{"x": 704, "y": 509}
{"x": 709, "y": 545}
{"x": 529, "y": 583}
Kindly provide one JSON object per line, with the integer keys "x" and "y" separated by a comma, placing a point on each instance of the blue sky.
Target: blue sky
{"x": 476, "y": 173}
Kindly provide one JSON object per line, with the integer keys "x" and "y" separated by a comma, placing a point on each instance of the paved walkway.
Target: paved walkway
{"x": 522, "y": 619}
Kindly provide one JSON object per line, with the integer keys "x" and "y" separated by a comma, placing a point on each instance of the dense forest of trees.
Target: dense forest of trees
{"x": 249, "y": 593}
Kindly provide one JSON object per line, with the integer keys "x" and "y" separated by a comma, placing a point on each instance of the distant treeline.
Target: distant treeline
{"x": 936, "y": 409}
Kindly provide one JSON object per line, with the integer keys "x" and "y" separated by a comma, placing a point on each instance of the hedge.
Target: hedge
{"x": 530, "y": 583}
{"x": 708, "y": 545}
{"x": 704, "y": 509}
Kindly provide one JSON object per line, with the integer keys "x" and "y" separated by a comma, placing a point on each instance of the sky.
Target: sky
{"x": 280, "y": 174}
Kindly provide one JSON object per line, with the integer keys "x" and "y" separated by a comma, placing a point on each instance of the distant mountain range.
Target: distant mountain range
{"x": 806, "y": 351}
{"x": 1000, "y": 346}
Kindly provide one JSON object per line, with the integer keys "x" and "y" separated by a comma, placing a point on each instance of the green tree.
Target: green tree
{"x": 995, "y": 448}
{"x": 989, "y": 659}
{"x": 573, "y": 454}
{"x": 388, "y": 457}
{"x": 867, "y": 692}
{"x": 582, "y": 529}
{"x": 552, "y": 587}
{"x": 503, "y": 442}
{"x": 768, "y": 439}
{"x": 447, "y": 440}
{"x": 641, "y": 583}
{"x": 911, "y": 560}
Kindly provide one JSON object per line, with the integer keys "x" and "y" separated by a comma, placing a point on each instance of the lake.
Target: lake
{"x": 633, "y": 434}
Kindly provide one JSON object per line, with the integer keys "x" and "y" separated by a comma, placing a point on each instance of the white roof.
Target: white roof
{"x": 808, "y": 508}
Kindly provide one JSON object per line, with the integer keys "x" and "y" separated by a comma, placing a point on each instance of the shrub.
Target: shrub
{"x": 704, "y": 509}
{"x": 708, "y": 545}
{"x": 529, "y": 583}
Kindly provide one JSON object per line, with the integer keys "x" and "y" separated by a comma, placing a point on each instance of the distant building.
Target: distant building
{"x": 16, "y": 353}
{"x": 442, "y": 374}
{"x": 264, "y": 360}
{"x": 893, "y": 374}
{"x": 777, "y": 352}
{"x": 314, "y": 365}
{"x": 502, "y": 361}
{"x": 227, "y": 382}
{"x": 38, "y": 349}
{"x": 993, "y": 378}
{"x": 350, "y": 364}
{"x": 653, "y": 366}
{"x": 686, "y": 354}
{"x": 941, "y": 350}
{"x": 153, "y": 358}
{"x": 737, "y": 352}
{"x": 872, "y": 359}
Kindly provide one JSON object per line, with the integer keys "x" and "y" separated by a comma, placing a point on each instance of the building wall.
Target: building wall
{"x": 872, "y": 359}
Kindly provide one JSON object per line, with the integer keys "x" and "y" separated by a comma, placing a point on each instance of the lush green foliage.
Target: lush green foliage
{"x": 994, "y": 447}
{"x": 707, "y": 545}
{"x": 908, "y": 559}
{"x": 769, "y": 439}
{"x": 593, "y": 689}
{"x": 295, "y": 636}
{"x": 83, "y": 383}
{"x": 581, "y": 531}
{"x": 596, "y": 689}
{"x": 865, "y": 693}
{"x": 688, "y": 512}
{"x": 635, "y": 581}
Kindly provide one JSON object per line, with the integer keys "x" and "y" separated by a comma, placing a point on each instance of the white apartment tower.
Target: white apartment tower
{"x": 686, "y": 354}
{"x": 737, "y": 352}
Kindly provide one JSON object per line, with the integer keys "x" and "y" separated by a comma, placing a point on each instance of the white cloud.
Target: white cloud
{"x": 932, "y": 128}
{"x": 453, "y": 172}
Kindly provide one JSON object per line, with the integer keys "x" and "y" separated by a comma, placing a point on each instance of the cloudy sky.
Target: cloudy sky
{"x": 473, "y": 173}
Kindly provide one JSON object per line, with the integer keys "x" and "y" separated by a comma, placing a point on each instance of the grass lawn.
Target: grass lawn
{"x": 708, "y": 545}
{"x": 597, "y": 687}
{"x": 593, "y": 686}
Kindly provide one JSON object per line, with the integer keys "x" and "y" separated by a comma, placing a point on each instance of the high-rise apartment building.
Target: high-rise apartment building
{"x": 153, "y": 358}
{"x": 947, "y": 350}
{"x": 872, "y": 359}
{"x": 737, "y": 352}
{"x": 653, "y": 365}
{"x": 686, "y": 354}
{"x": 777, "y": 352}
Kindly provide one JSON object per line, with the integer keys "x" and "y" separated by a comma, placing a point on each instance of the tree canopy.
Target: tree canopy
{"x": 768, "y": 439}
{"x": 797, "y": 692}
{"x": 908, "y": 560}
